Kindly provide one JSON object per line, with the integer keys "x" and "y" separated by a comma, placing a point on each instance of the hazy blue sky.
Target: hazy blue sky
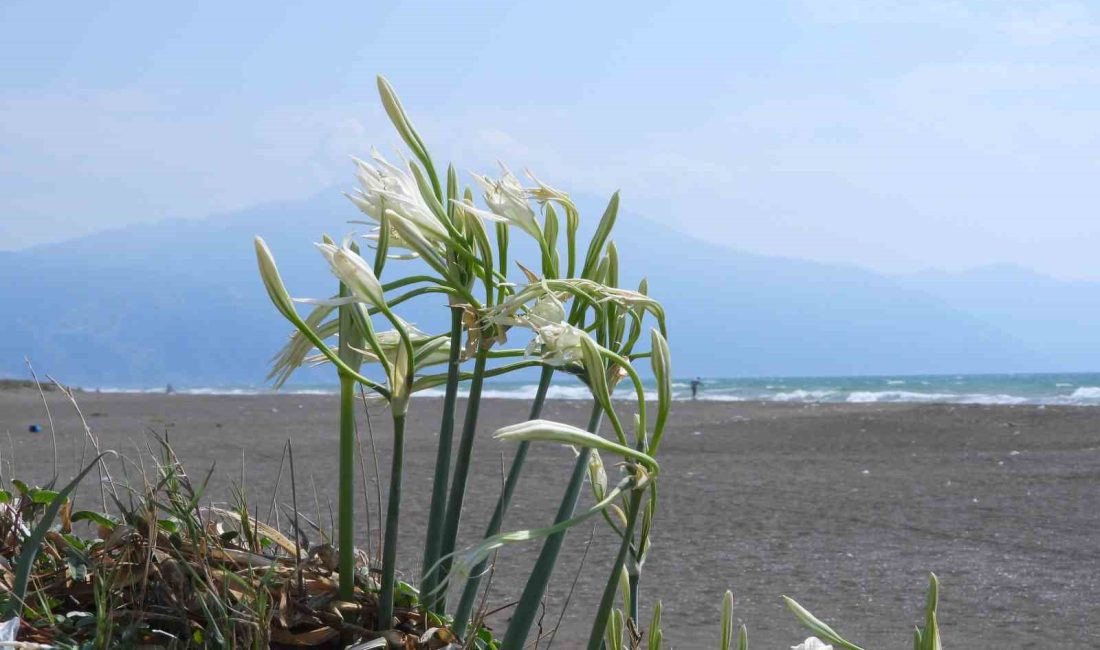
{"x": 893, "y": 135}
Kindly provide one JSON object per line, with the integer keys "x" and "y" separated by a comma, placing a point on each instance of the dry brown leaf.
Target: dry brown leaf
{"x": 308, "y": 638}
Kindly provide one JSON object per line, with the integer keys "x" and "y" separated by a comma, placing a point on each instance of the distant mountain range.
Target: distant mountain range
{"x": 180, "y": 302}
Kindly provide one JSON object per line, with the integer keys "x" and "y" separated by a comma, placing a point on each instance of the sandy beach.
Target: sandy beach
{"x": 844, "y": 507}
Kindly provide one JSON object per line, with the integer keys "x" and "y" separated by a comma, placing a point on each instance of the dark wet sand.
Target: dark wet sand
{"x": 845, "y": 507}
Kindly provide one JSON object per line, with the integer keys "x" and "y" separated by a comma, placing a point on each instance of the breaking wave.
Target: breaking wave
{"x": 1010, "y": 390}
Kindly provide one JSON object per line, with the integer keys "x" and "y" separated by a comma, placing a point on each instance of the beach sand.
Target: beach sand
{"x": 844, "y": 507}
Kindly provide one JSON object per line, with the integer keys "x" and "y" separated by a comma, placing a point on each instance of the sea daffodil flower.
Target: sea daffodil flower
{"x": 557, "y": 344}
{"x": 507, "y": 199}
{"x": 390, "y": 342}
{"x": 387, "y": 188}
{"x": 355, "y": 272}
{"x": 812, "y": 643}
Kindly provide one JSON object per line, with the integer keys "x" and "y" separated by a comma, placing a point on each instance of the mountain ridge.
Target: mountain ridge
{"x": 180, "y": 301}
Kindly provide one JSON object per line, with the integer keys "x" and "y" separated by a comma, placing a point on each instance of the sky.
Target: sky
{"x": 895, "y": 136}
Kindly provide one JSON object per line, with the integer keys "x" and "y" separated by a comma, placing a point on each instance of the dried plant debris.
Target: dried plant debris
{"x": 164, "y": 569}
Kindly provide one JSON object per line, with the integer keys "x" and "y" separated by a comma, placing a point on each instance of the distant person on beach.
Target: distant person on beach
{"x": 695, "y": 385}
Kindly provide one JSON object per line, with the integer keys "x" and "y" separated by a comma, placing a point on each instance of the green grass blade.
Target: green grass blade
{"x": 25, "y": 564}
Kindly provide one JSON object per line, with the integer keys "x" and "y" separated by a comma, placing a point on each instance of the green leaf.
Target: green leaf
{"x": 31, "y": 545}
{"x": 819, "y": 628}
{"x": 273, "y": 282}
{"x": 655, "y": 628}
{"x": 596, "y": 372}
{"x": 43, "y": 497}
{"x": 405, "y": 129}
{"x": 931, "y": 637}
{"x": 104, "y": 520}
{"x": 602, "y": 271}
{"x": 597, "y": 475}
{"x": 727, "y": 622}
{"x": 603, "y": 231}
{"x": 476, "y": 227}
{"x": 549, "y": 431}
{"x": 932, "y": 634}
{"x": 550, "y": 234}
{"x": 624, "y": 589}
{"x": 743, "y": 639}
{"x": 426, "y": 191}
{"x": 615, "y": 630}
{"x": 465, "y": 560}
{"x": 452, "y": 194}
{"x": 21, "y": 487}
{"x": 661, "y": 361}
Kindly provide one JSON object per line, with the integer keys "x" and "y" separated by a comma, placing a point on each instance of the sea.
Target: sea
{"x": 1081, "y": 389}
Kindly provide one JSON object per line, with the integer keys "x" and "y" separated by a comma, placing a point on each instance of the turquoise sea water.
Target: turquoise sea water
{"x": 1053, "y": 389}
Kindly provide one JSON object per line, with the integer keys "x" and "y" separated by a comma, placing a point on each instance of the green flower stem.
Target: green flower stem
{"x": 346, "y": 525}
{"x": 393, "y": 514}
{"x": 528, "y": 607}
{"x": 633, "y": 579}
{"x": 607, "y": 602}
{"x": 462, "y": 471}
{"x": 438, "y": 508}
{"x": 346, "y": 484}
{"x": 639, "y": 391}
{"x": 412, "y": 279}
{"x": 431, "y": 381}
{"x": 324, "y": 349}
{"x": 469, "y": 592}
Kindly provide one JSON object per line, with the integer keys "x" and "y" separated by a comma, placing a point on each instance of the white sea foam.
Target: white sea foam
{"x": 801, "y": 395}
{"x": 1086, "y": 393}
{"x": 868, "y": 397}
{"x": 850, "y": 390}
{"x": 720, "y": 397}
{"x": 221, "y": 391}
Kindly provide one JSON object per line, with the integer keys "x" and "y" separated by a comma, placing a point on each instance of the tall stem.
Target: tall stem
{"x": 462, "y": 471}
{"x": 346, "y": 487}
{"x": 528, "y": 607}
{"x": 633, "y": 579}
{"x": 595, "y": 638}
{"x": 346, "y": 534}
{"x": 393, "y": 514}
{"x": 438, "y": 508}
{"x": 469, "y": 592}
